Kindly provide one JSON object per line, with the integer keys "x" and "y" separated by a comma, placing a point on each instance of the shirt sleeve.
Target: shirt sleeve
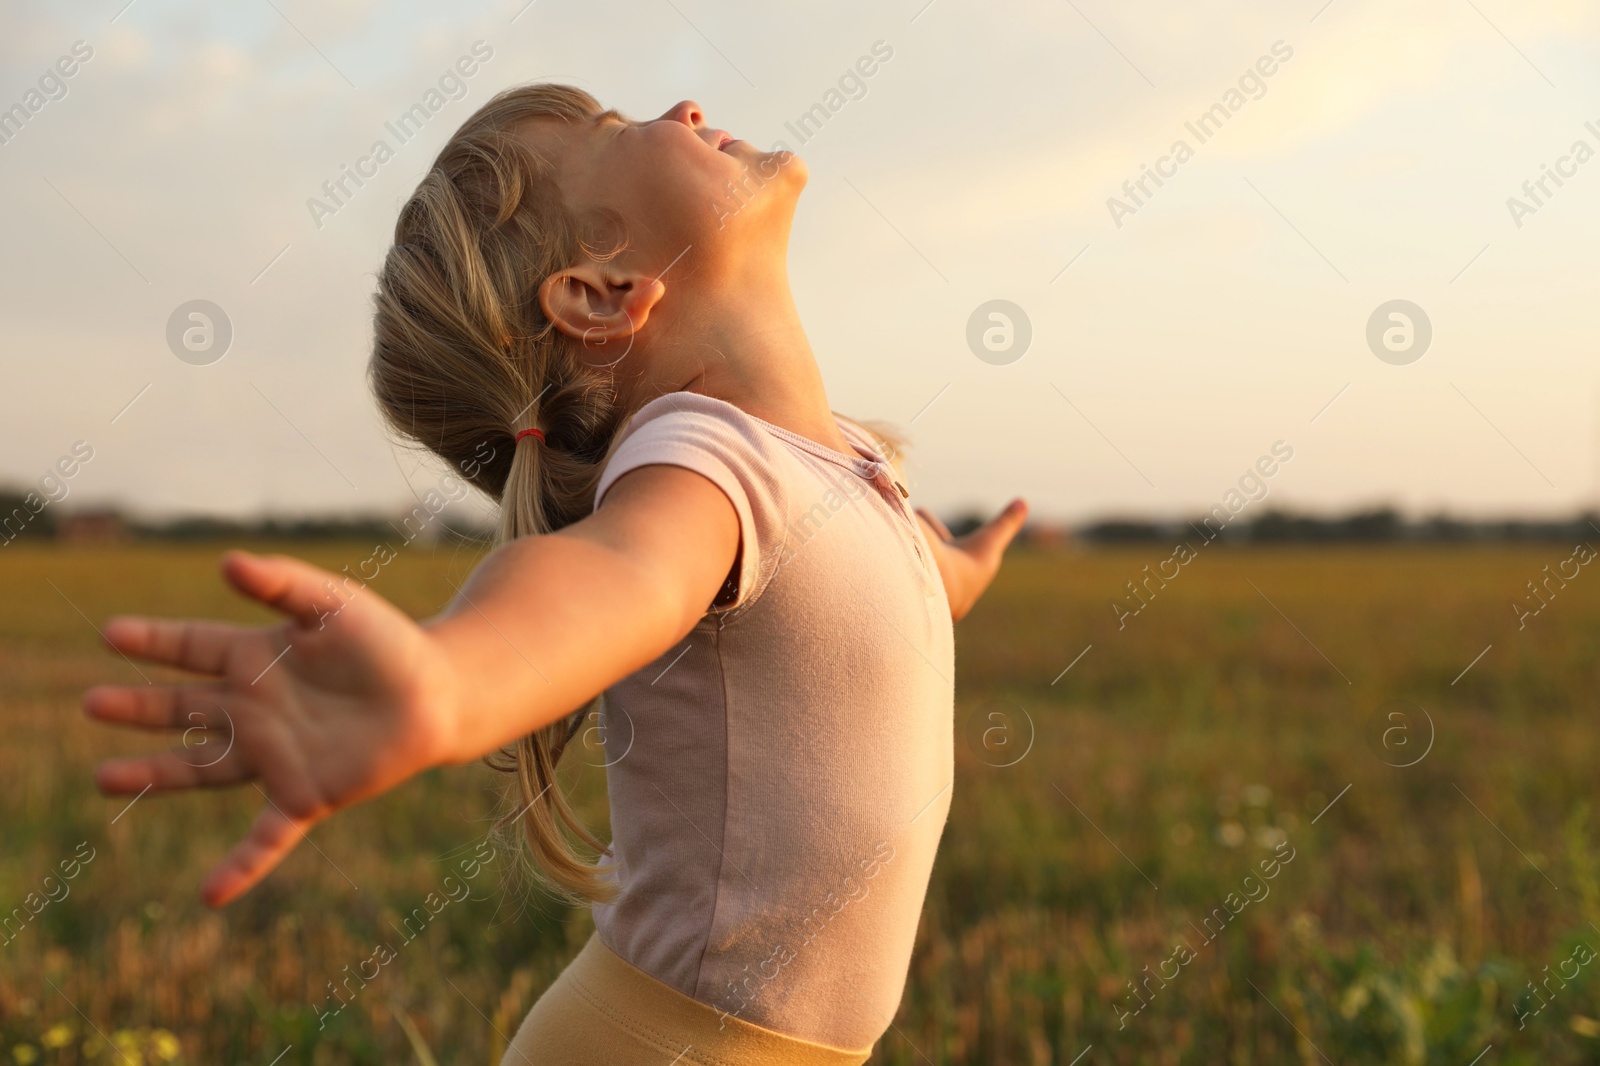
{"x": 727, "y": 447}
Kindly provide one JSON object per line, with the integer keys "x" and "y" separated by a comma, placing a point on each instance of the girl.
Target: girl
{"x": 590, "y": 317}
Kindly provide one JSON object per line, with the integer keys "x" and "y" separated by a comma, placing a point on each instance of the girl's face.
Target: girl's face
{"x": 676, "y": 182}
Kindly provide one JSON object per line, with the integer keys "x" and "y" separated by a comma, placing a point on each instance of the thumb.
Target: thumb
{"x": 989, "y": 540}
{"x": 272, "y": 836}
{"x": 289, "y": 585}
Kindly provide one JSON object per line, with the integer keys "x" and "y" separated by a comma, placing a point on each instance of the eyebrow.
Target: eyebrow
{"x": 610, "y": 114}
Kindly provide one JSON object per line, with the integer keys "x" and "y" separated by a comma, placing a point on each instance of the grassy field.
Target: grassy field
{"x": 1274, "y": 818}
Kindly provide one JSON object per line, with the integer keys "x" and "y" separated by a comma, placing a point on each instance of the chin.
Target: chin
{"x": 795, "y": 167}
{"x": 766, "y": 183}
{"x": 780, "y": 174}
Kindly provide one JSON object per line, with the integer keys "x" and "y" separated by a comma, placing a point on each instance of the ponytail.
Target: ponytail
{"x": 463, "y": 360}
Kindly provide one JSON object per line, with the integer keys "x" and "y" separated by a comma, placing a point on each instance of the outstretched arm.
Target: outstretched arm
{"x": 967, "y": 564}
{"x": 348, "y": 697}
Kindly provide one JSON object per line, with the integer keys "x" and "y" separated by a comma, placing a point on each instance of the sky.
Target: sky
{"x": 1176, "y": 334}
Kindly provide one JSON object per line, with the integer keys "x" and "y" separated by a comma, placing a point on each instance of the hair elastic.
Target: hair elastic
{"x": 530, "y": 433}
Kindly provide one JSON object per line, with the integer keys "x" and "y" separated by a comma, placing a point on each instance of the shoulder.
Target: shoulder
{"x": 690, "y": 415}
{"x": 726, "y": 446}
{"x": 702, "y": 433}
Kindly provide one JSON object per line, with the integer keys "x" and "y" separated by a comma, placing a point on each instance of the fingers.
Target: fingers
{"x": 989, "y": 541}
{"x": 272, "y": 837}
{"x": 293, "y": 587}
{"x": 158, "y": 706}
{"x": 934, "y": 523}
{"x": 288, "y": 585}
{"x": 200, "y": 647}
{"x": 171, "y": 771}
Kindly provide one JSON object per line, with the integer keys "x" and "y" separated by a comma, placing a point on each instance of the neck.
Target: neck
{"x": 738, "y": 337}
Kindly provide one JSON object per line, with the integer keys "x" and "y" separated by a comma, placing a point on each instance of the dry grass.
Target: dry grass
{"x": 1176, "y": 753}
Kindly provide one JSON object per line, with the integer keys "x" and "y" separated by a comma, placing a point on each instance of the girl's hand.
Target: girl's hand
{"x": 342, "y": 701}
{"x": 969, "y": 563}
{"x": 348, "y": 697}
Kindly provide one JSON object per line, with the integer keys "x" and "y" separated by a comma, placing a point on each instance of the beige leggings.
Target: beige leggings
{"x": 603, "y": 1011}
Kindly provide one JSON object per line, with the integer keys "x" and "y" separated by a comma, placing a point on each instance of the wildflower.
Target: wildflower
{"x": 25, "y": 1054}
{"x": 57, "y": 1036}
{"x": 1231, "y": 834}
{"x": 127, "y": 1042}
{"x": 166, "y": 1045}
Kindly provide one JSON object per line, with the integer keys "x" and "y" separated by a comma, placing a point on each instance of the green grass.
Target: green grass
{"x": 1098, "y": 817}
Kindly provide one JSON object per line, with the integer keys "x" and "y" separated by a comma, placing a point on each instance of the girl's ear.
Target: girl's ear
{"x": 598, "y": 305}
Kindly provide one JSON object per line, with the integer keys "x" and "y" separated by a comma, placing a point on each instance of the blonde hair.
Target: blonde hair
{"x": 463, "y": 357}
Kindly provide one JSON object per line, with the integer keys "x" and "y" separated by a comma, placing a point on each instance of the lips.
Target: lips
{"x": 724, "y": 138}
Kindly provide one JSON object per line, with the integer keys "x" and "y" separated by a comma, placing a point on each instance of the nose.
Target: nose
{"x": 687, "y": 112}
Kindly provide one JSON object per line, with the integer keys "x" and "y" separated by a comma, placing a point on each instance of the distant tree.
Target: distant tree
{"x": 18, "y": 519}
{"x": 1124, "y": 531}
{"x": 1381, "y": 524}
{"x": 1281, "y": 526}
